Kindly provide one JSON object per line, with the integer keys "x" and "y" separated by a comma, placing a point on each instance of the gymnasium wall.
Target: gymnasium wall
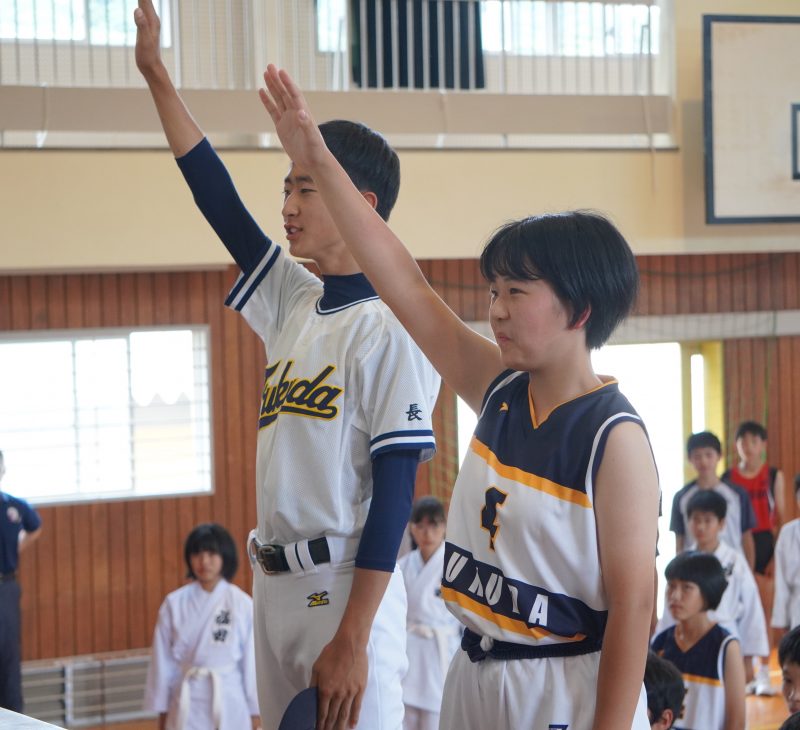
{"x": 117, "y": 210}
{"x": 95, "y": 579}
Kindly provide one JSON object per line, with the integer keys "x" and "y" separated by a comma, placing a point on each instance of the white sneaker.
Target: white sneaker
{"x": 762, "y": 684}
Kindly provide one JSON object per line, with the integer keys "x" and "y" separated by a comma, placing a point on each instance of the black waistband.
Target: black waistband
{"x": 272, "y": 558}
{"x": 505, "y": 650}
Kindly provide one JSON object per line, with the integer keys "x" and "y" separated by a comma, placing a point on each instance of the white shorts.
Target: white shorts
{"x": 525, "y": 694}
{"x": 297, "y": 614}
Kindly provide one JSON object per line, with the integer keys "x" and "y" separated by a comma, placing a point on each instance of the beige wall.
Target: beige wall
{"x": 63, "y": 210}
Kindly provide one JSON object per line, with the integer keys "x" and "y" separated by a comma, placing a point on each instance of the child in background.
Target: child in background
{"x": 202, "y": 673}
{"x": 739, "y": 610}
{"x": 786, "y": 604}
{"x": 665, "y": 692}
{"x": 704, "y": 451}
{"x": 433, "y": 632}
{"x": 707, "y": 655}
{"x": 789, "y": 660}
{"x": 791, "y": 723}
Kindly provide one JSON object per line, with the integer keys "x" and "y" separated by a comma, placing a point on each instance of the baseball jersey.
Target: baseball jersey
{"x": 15, "y": 515}
{"x": 521, "y": 560}
{"x": 739, "y": 517}
{"x": 739, "y": 611}
{"x": 786, "y": 604}
{"x": 341, "y": 386}
{"x": 702, "y": 667}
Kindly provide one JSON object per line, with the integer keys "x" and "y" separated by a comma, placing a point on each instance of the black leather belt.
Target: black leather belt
{"x": 272, "y": 558}
{"x": 6, "y": 577}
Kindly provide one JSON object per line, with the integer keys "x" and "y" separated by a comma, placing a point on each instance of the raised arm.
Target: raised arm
{"x": 466, "y": 360}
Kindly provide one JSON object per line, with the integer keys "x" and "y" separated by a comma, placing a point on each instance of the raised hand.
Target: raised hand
{"x": 296, "y": 129}
{"x": 148, "y": 37}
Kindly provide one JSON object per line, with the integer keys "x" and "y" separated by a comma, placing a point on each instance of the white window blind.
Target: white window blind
{"x": 105, "y": 414}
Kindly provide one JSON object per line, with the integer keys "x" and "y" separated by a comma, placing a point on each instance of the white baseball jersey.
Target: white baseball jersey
{"x": 202, "y": 659}
{"x": 340, "y": 387}
{"x": 740, "y": 611}
{"x": 703, "y": 670}
{"x": 786, "y": 605}
{"x": 434, "y": 634}
{"x": 522, "y": 562}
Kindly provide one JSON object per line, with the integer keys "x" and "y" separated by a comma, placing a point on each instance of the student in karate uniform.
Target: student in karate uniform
{"x": 202, "y": 666}
{"x": 434, "y": 633}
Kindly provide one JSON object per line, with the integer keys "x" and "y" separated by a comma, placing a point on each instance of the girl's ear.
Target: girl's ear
{"x": 582, "y": 319}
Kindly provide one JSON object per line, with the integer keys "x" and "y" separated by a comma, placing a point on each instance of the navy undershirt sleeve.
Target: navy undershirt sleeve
{"x": 393, "y": 476}
{"x": 216, "y": 197}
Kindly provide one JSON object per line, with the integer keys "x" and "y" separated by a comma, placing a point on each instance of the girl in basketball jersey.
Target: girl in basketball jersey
{"x": 707, "y": 655}
{"x": 551, "y": 534}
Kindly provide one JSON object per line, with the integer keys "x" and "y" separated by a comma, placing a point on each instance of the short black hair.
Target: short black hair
{"x": 791, "y": 723}
{"x": 703, "y": 440}
{"x": 581, "y": 254}
{"x": 751, "y": 427}
{"x": 664, "y": 685}
{"x": 427, "y": 508}
{"x": 704, "y": 570}
{"x": 367, "y": 158}
{"x": 789, "y": 648}
{"x": 707, "y": 500}
{"x": 213, "y": 538}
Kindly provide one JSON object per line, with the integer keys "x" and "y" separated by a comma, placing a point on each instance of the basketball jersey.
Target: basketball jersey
{"x": 760, "y": 490}
{"x": 702, "y": 667}
{"x": 521, "y": 560}
{"x": 341, "y": 386}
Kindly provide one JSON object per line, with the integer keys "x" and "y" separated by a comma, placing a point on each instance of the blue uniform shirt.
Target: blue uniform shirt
{"x": 15, "y": 515}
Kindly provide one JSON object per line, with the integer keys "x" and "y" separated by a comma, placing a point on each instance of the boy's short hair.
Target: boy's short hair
{"x": 663, "y": 683}
{"x": 704, "y": 570}
{"x": 751, "y": 427}
{"x": 367, "y": 158}
{"x": 213, "y": 538}
{"x": 581, "y": 255}
{"x": 427, "y": 508}
{"x": 703, "y": 440}
{"x": 789, "y": 648}
{"x": 791, "y": 723}
{"x": 707, "y": 500}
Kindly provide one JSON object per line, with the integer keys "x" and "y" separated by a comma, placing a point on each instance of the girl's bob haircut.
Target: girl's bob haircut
{"x": 213, "y": 538}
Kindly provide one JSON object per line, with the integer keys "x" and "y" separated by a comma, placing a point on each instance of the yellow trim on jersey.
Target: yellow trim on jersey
{"x": 697, "y": 679}
{"x": 516, "y": 626}
{"x": 605, "y": 380}
{"x": 527, "y": 479}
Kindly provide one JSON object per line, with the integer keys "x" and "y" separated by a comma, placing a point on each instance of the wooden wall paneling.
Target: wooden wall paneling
{"x": 670, "y": 287}
{"x": 101, "y": 577}
{"x": 683, "y": 281}
{"x": 791, "y": 271}
{"x": 793, "y": 467}
{"x": 708, "y": 284}
{"x": 766, "y": 295}
{"x": 696, "y": 285}
{"x": 6, "y": 285}
{"x": 724, "y": 277}
{"x": 111, "y": 291}
{"x": 92, "y": 300}
{"x": 118, "y": 568}
{"x": 138, "y": 621}
{"x": 37, "y": 301}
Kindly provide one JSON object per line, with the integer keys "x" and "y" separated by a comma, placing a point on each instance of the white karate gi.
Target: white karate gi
{"x": 740, "y": 611}
{"x": 786, "y": 605}
{"x": 202, "y": 666}
{"x": 434, "y": 635}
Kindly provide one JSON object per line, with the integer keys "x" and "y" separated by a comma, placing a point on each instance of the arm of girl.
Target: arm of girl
{"x": 733, "y": 680}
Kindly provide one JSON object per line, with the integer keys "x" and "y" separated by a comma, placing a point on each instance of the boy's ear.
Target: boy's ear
{"x": 371, "y": 198}
{"x": 664, "y": 722}
{"x": 583, "y": 318}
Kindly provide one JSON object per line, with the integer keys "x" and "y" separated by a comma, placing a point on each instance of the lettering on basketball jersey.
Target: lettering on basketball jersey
{"x": 494, "y": 499}
{"x": 318, "y": 599}
{"x": 539, "y": 611}
{"x": 558, "y": 727}
{"x": 299, "y": 396}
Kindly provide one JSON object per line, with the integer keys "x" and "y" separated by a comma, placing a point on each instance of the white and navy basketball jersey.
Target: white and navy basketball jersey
{"x": 703, "y": 673}
{"x": 341, "y": 386}
{"x": 522, "y": 562}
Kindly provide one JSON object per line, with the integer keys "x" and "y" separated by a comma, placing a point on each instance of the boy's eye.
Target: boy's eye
{"x": 307, "y": 190}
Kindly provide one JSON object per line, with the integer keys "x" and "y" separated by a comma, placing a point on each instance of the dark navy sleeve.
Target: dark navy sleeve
{"x": 748, "y": 514}
{"x": 216, "y": 197}
{"x": 676, "y": 519}
{"x": 393, "y": 476}
{"x": 30, "y": 517}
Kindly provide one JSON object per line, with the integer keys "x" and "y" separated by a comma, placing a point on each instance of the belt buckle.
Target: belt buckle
{"x": 263, "y": 552}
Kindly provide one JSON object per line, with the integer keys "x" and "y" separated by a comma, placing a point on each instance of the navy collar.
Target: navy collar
{"x": 339, "y": 292}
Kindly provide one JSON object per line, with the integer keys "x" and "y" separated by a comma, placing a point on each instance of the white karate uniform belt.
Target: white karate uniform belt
{"x": 184, "y": 702}
{"x": 299, "y": 557}
{"x": 442, "y": 634}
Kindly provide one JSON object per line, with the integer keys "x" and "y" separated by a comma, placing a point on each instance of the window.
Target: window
{"x": 106, "y": 413}
{"x": 96, "y": 22}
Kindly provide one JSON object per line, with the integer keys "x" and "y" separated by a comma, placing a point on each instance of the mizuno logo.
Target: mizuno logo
{"x": 318, "y": 599}
{"x": 503, "y": 407}
{"x": 304, "y": 397}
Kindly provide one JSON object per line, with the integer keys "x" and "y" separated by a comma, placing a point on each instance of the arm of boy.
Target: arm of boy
{"x": 627, "y": 476}
{"x": 465, "y": 359}
{"x": 733, "y": 671}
